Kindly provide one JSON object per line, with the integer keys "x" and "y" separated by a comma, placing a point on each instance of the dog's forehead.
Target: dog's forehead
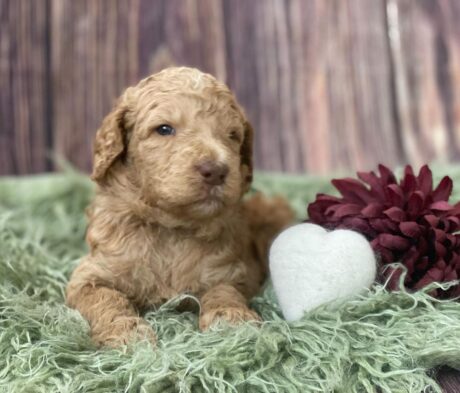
{"x": 185, "y": 97}
{"x": 181, "y": 78}
{"x": 189, "y": 104}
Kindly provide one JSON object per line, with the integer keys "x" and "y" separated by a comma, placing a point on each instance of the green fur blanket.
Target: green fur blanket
{"x": 380, "y": 342}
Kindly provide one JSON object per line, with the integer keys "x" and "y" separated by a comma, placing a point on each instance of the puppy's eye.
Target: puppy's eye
{"x": 234, "y": 136}
{"x": 165, "y": 129}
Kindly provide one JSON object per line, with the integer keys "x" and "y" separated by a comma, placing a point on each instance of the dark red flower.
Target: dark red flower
{"x": 407, "y": 222}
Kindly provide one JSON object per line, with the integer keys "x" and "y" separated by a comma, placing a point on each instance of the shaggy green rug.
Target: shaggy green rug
{"x": 380, "y": 342}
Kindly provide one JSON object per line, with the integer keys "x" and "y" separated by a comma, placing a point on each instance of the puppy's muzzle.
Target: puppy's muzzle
{"x": 213, "y": 173}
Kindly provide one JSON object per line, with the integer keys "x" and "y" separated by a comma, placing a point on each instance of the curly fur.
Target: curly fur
{"x": 155, "y": 228}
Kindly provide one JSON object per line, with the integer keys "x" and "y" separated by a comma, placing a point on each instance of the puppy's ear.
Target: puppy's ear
{"x": 246, "y": 155}
{"x": 110, "y": 141}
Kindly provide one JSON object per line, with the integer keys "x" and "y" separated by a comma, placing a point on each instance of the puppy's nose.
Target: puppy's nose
{"x": 213, "y": 173}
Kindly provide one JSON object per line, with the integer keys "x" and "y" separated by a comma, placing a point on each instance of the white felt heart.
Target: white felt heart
{"x": 310, "y": 266}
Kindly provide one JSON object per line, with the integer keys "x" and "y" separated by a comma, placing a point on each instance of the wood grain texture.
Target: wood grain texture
{"x": 425, "y": 51}
{"x": 449, "y": 379}
{"x": 24, "y": 83}
{"x": 327, "y": 84}
{"x": 312, "y": 109}
{"x": 94, "y": 46}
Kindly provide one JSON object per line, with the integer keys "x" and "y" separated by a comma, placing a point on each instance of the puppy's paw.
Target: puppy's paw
{"x": 232, "y": 315}
{"x": 124, "y": 331}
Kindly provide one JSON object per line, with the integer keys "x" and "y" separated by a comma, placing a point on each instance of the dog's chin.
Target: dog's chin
{"x": 199, "y": 203}
{"x": 210, "y": 203}
{"x": 208, "y": 207}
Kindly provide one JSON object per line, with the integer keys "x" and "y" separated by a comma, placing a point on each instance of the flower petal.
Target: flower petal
{"x": 360, "y": 225}
{"x": 415, "y": 203}
{"x": 410, "y": 259}
{"x": 386, "y": 256}
{"x": 353, "y": 190}
{"x": 374, "y": 182}
{"x": 346, "y": 210}
{"x": 395, "y": 195}
{"x": 438, "y": 234}
{"x": 443, "y": 190}
{"x": 424, "y": 281}
{"x": 372, "y": 210}
{"x": 386, "y": 175}
{"x": 409, "y": 183}
{"x": 410, "y": 229}
{"x": 441, "y": 206}
{"x": 393, "y": 275}
{"x": 393, "y": 242}
{"x": 454, "y": 223}
{"x": 450, "y": 274}
{"x": 440, "y": 250}
{"x": 395, "y": 214}
{"x": 422, "y": 263}
{"x": 431, "y": 220}
{"x": 425, "y": 180}
{"x": 382, "y": 225}
{"x": 436, "y": 274}
{"x": 317, "y": 210}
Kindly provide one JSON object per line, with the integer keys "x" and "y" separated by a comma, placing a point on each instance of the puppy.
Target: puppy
{"x": 172, "y": 162}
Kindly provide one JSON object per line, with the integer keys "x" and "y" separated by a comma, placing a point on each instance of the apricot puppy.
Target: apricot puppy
{"x": 172, "y": 162}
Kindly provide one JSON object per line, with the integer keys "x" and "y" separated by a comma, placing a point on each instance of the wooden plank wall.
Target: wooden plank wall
{"x": 328, "y": 84}
{"x": 25, "y": 118}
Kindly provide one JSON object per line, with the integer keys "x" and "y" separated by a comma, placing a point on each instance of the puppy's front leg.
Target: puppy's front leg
{"x": 225, "y": 302}
{"x": 112, "y": 317}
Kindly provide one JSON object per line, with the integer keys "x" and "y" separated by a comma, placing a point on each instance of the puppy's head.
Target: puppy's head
{"x": 183, "y": 140}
